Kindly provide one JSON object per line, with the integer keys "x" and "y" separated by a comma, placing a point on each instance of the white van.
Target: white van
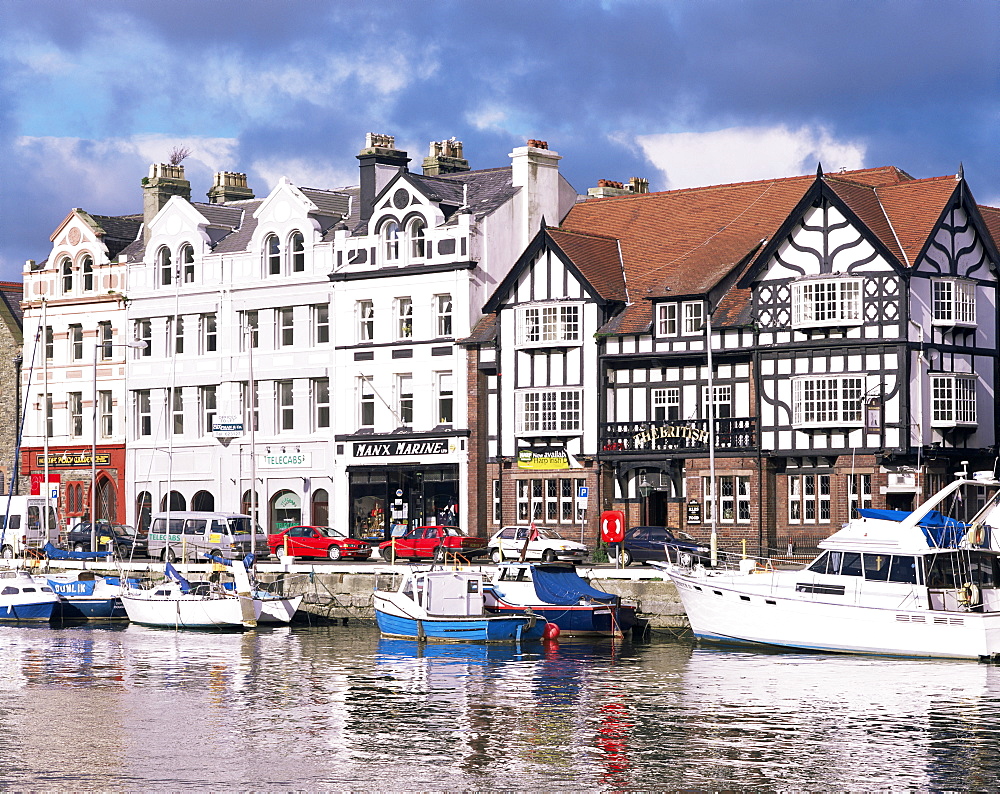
{"x": 189, "y": 534}
{"x": 22, "y": 527}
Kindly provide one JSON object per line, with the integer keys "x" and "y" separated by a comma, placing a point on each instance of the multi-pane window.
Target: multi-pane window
{"x": 666, "y": 404}
{"x": 723, "y": 402}
{"x": 404, "y": 318}
{"x": 321, "y": 323}
{"x": 953, "y": 400}
{"x": 497, "y": 501}
{"x": 206, "y": 404}
{"x": 734, "y": 498}
{"x": 666, "y": 319}
{"x": 390, "y": 241}
{"x": 443, "y": 310}
{"x": 88, "y": 274}
{"x": 75, "y": 404}
{"x": 104, "y": 339}
{"x": 859, "y": 493}
{"x": 366, "y": 321}
{"x": 824, "y": 302}
{"x": 445, "y": 387}
{"x": 548, "y": 411}
{"x": 286, "y": 405}
{"x": 366, "y": 402}
{"x": 953, "y": 302}
{"x": 46, "y": 401}
{"x": 209, "y": 333}
{"x": 187, "y": 263}
{"x": 693, "y": 317}
{"x": 144, "y": 333}
{"x": 418, "y": 245}
{"x": 249, "y": 327}
{"x": 49, "y": 342}
{"x": 826, "y": 401}
{"x": 143, "y": 414}
{"x": 179, "y": 335}
{"x": 272, "y": 255}
{"x": 76, "y": 342}
{"x": 166, "y": 266}
{"x": 404, "y": 399}
{"x": 551, "y": 500}
{"x": 286, "y": 326}
{"x": 177, "y": 411}
{"x": 297, "y": 252}
{"x": 67, "y": 276}
{"x": 321, "y": 402}
{"x": 809, "y": 498}
{"x": 251, "y": 405}
{"x": 548, "y": 325}
{"x": 106, "y": 416}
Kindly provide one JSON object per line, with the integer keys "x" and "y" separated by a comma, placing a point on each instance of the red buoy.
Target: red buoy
{"x": 551, "y": 631}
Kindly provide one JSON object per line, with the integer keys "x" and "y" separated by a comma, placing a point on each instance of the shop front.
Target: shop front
{"x": 386, "y": 500}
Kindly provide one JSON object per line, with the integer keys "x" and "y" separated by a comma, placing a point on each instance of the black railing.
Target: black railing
{"x": 677, "y": 434}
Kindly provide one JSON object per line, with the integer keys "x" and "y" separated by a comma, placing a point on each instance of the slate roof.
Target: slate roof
{"x": 117, "y": 231}
{"x": 11, "y": 294}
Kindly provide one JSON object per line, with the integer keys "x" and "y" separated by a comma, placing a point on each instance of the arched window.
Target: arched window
{"x": 143, "y": 511}
{"x": 272, "y": 250}
{"x": 247, "y": 509}
{"x": 418, "y": 245}
{"x": 88, "y": 274}
{"x": 166, "y": 266}
{"x": 187, "y": 263}
{"x": 107, "y": 501}
{"x": 177, "y": 502}
{"x": 297, "y": 251}
{"x": 320, "y": 508}
{"x": 67, "y": 276}
{"x": 203, "y": 500}
{"x": 390, "y": 241}
{"x": 286, "y": 510}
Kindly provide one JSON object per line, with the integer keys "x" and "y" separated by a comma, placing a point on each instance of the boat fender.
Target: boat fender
{"x": 977, "y": 534}
{"x": 968, "y": 595}
{"x": 551, "y": 631}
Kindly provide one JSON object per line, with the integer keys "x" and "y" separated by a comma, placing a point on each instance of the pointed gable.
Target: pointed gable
{"x": 914, "y": 208}
{"x": 597, "y": 259}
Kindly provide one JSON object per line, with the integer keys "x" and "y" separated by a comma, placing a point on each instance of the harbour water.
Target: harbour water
{"x": 336, "y": 707}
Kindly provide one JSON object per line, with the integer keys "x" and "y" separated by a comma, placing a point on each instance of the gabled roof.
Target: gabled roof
{"x": 597, "y": 259}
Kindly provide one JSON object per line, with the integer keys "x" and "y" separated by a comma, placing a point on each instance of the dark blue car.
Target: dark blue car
{"x": 642, "y": 544}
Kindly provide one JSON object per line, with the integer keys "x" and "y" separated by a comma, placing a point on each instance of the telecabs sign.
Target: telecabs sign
{"x": 285, "y": 460}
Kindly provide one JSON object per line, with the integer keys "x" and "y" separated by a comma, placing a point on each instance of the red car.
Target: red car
{"x": 430, "y": 541}
{"x": 309, "y": 541}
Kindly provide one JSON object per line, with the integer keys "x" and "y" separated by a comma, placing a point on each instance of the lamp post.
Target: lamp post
{"x": 645, "y": 489}
{"x": 136, "y": 344}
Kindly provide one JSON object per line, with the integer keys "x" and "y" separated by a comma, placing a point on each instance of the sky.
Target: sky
{"x": 681, "y": 92}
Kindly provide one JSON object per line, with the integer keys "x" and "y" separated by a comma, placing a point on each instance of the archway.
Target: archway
{"x": 203, "y": 500}
{"x": 177, "y": 502}
{"x": 107, "y": 501}
{"x": 246, "y": 507}
{"x": 286, "y": 510}
{"x": 320, "y": 508}
{"x": 143, "y": 511}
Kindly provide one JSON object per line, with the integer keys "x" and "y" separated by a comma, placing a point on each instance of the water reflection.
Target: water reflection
{"x": 338, "y": 707}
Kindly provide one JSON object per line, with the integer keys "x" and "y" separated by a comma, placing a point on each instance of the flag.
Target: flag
{"x": 532, "y": 532}
{"x": 174, "y": 575}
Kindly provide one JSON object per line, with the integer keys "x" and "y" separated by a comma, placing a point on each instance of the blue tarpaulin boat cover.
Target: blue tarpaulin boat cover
{"x": 940, "y": 531}
{"x": 562, "y": 587}
{"x": 54, "y": 553}
{"x": 84, "y": 588}
{"x": 170, "y": 572}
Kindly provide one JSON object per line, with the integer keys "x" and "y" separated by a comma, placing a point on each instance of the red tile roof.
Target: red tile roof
{"x": 597, "y": 257}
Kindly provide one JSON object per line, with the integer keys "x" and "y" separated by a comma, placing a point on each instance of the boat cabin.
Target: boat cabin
{"x": 446, "y": 593}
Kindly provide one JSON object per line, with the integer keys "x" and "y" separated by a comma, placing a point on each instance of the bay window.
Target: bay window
{"x": 545, "y": 411}
{"x": 819, "y": 303}
{"x": 828, "y": 401}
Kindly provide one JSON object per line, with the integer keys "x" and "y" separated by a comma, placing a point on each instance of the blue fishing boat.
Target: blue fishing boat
{"x": 447, "y": 606}
{"x": 557, "y": 593}
{"x": 25, "y": 598}
{"x": 83, "y": 595}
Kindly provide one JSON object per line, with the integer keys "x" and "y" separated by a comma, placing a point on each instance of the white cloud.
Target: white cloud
{"x": 303, "y": 172}
{"x": 741, "y": 154}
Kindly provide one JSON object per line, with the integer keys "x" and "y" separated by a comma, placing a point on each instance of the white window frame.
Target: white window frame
{"x": 105, "y": 403}
{"x": 251, "y": 413}
{"x": 272, "y": 255}
{"x": 953, "y": 302}
{"x": 143, "y": 414}
{"x": 284, "y": 323}
{"x": 545, "y": 412}
{"x": 444, "y": 397}
{"x": 177, "y": 411}
{"x": 249, "y": 326}
{"x": 366, "y": 402}
{"x": 856, "y": 482}
{"x": 76, "y": 342}
{"x": 285, "y": 402}
{"x": 404, "y": 399}
{"x": 549, "y": 325}
{"x": 66, "y": 272}
{"x": 320, "y": 399}
{"x": 734, "y": 498}
{"x": 365, "y": 310}
{"x": 953, "y": 400}
{"x": 497, "y": 501}
{"x": 443, "y": 315}
{"x": 74, "y": 406}
{"x": 389, "y": 234}
{"x": 692, "y": 317}
{"x": 209, "y": 332}
{"x": 666, "y": 319}
{"x": 416, "y": 232}
{"x": 87, "y": 270}
{"x": 826, "y": 302}
{"x": 321, "y": 323}
{"x": 296, "y": 252}
{"x": 144, "y": 333}
{"x": 822, "y": 401}
{"x": 164, "y": 267}
{"x": 666, "y": 401}
{"x": 723, "y": 401}
{"x": 809, "y": 498}
{"x": 105, "y": 339}
{"x": 207, "y": 404}
{"x": 404, "y": 318}
{"x": 187, "y": 263}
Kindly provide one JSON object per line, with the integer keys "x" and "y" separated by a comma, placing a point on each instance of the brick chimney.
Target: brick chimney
{"x": 164, "y": 182}
{"x": 606, "y": 188}
{"x": 380, "y": 161}
{"x": 229, "y": 186}
{"x": 445, "y": 157}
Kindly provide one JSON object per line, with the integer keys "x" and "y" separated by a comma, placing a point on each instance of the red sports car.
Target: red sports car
{"x": 309, "y": 541}
{"x": 430, "y": 541}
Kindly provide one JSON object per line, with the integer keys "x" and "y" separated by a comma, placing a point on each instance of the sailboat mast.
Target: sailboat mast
{"x": 46, "y": 407}
{"x": 714, "y": 539}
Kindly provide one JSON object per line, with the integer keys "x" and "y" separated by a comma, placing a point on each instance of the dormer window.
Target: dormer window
{"x": 272, "y": 252}
{"x": 954, "y": 302}
{"x": 551, "y": 325}
{"x": 88, "y": 274}
{"x": 187, "y": 263}
{"x": 390, "y": 241}
{"x": 418, "y": 243}
{"x": 165, "y": 265}
{"x": 822, "y": 303}
{"x": 297, "y": 252}
{"x": 693, "y": 315}
{"x": 66, "y": 269}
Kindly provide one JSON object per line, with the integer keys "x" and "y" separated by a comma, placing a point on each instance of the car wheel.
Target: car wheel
{"x": 333, "y": 552}
{"x": 78, "y": 547}
{"x": 168, "y": 555}
{"x": 548, "y": 556}
{"x": 625, "y": 558}
{"x": 496, "y": 556}
{"x": 439, "y": 554}
{"x": 8, "y": 552}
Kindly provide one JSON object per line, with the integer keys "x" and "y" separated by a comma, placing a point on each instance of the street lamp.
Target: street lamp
{"x": 136, "y": 344}
{"x": 645, "y": 489}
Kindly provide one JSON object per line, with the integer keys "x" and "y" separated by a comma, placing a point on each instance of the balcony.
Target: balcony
{"x": 677, "y": 435}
